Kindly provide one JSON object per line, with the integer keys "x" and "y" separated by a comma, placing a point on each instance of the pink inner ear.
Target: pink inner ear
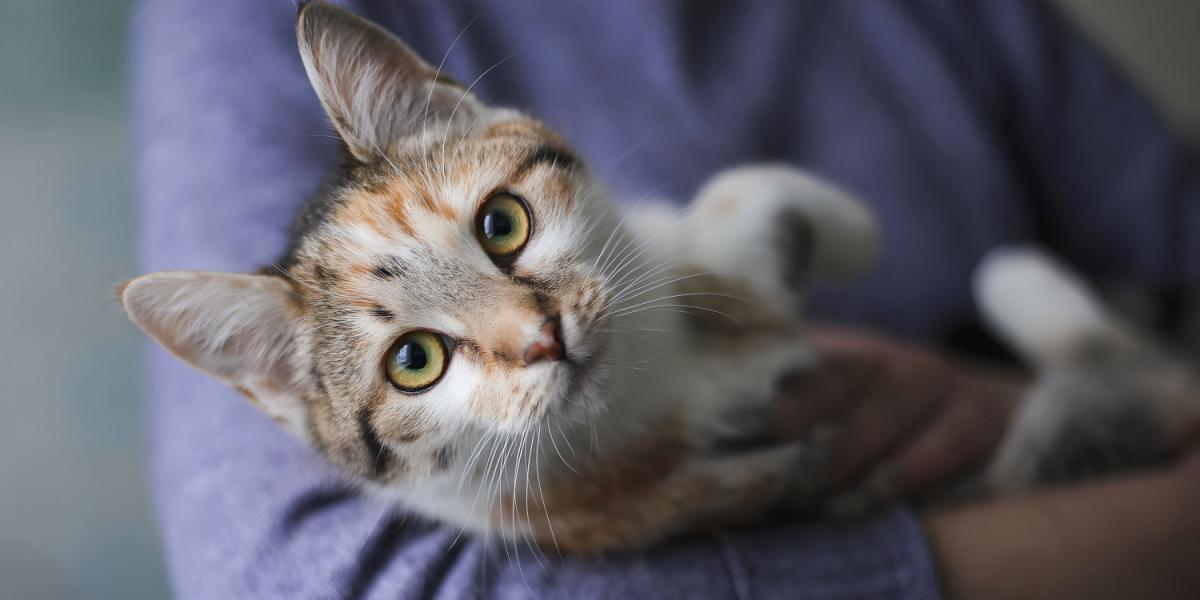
{"x": 236, "y": 328}
{"x": 230, "y": 326}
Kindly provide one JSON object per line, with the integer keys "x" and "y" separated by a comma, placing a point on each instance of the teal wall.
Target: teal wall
{"x": 1158, "y": 44}
{"x": 75, "y": 518}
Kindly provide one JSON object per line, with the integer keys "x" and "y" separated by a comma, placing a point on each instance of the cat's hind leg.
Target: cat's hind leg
{"x": 1106, "y": 399}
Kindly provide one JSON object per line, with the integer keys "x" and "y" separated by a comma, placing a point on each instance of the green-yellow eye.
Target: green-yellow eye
{"x": 503, "y": 225}
{"x": 416, "y": 361}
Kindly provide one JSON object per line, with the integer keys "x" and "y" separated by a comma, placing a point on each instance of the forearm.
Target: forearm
{"x": 1137, "y": 537}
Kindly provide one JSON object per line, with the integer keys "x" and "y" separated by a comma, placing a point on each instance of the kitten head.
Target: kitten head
{"x": 447, "y": 283}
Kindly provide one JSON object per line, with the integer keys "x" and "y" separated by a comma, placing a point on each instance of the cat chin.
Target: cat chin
{"x": 570, "y": 395}
{"x": 577, "y": 394}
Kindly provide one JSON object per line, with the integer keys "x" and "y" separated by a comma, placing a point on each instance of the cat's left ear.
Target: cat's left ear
{"x": 375, "y": 89}
{"x": 240, "y": 329}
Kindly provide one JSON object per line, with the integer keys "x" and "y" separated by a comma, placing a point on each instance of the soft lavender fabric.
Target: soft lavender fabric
{"x": 964, "y": 123}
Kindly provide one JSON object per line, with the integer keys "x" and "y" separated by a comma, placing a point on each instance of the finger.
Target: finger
{"x": 961, "y": 436}
{"x": 826, "y": 393}
{"x": 877, "y": 426}
{"x": 794, "y": 419}
{"x": 833, "y": 372}
{"x": 849, "y": 341}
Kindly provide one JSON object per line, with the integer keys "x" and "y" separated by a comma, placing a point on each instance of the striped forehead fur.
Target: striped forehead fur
{"x": 406, "y": 196}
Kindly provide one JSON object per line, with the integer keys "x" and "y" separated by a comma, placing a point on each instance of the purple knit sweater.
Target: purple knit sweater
{"x": 964, "y": 123}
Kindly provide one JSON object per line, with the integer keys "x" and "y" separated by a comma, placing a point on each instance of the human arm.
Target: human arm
{"x": 921, "y": 417}
{"x": 1133, "y": 537}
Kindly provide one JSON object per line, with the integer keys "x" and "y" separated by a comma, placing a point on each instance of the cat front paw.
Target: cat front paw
{"x": 768, "y": 229}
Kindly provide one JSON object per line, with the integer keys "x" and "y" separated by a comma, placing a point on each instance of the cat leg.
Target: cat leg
{"x": 1106, "y": 398}
{"x": 759, "y": 233}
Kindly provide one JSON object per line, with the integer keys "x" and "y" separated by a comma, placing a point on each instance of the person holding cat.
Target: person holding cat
{"x": 962, "y": 126}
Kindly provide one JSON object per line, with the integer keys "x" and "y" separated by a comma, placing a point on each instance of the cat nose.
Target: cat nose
{"x": 547, "y": 343}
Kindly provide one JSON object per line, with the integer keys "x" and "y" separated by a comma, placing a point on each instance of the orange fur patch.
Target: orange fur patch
{"x": 624, "y": 501}
{"x": 528, "y": 129}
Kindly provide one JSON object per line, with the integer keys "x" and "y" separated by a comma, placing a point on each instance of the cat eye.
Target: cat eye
{"x": 416, "y": 361}
{"x": 503, "y": 225}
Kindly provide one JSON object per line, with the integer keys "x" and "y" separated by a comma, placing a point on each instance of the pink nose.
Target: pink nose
{"x": 546, "y": 344}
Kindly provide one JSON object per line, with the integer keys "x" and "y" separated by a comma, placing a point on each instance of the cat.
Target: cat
{"x": 465, "y": 325}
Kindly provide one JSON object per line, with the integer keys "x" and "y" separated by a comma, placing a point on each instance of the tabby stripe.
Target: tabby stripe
{"x": 390, "y": 267}
{"x": 548, "y": 155}
{"x": 383, "y": 313}
{"x": 381, "y": 456}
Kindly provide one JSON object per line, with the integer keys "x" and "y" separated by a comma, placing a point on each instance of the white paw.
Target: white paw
{"x": 774, "y": 226}
{"x": 1036, "y": 304}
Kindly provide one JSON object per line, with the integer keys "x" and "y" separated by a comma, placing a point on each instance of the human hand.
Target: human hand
{"x": 909, "y": 417}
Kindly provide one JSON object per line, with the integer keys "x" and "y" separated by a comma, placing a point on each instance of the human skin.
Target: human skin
{"x": 916, "y": 417}
{"x": 909, "y": 416}
{"x": 1133, "y": 537}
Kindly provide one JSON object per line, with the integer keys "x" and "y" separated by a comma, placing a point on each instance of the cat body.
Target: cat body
{"x": 466, "y": 325}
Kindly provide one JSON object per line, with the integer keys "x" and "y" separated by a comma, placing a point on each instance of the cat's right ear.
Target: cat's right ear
{"x": 374, "y": 88}
{"x": 238, "y": 328}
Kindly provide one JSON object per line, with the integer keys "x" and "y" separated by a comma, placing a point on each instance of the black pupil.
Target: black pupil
{"x": 412, "y": 356}
{"x": 496, "y": 224}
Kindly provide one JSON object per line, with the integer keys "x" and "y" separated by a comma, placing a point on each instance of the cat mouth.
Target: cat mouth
{"x": 565, "y": 378}
{"x": 578, "y": 372}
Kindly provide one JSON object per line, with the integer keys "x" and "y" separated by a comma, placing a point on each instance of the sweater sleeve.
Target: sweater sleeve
{"x": 230, "y": 140}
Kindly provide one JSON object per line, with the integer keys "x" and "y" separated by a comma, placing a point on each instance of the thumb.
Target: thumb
{"x": 825, "y": 392}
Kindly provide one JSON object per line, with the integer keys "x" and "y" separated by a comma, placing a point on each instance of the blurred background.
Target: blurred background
{"x": 76, "y": 519}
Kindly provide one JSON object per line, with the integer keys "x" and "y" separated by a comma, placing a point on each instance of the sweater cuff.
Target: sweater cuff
{"x": 885, "y": 556}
